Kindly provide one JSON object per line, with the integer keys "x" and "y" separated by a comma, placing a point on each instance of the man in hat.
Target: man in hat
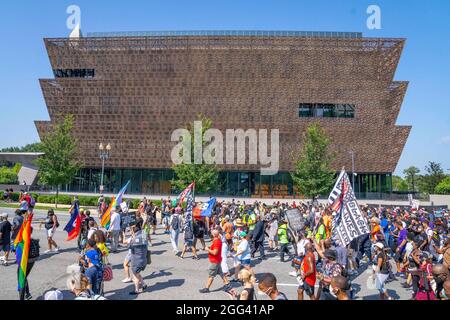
{"x": 330, "y": 269}
{"x": 5, "y": 237}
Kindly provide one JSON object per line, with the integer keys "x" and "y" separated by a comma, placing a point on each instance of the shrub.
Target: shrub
{"x": 8, "y": 176}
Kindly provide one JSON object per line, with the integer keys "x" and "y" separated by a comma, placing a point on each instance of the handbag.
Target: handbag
{"x": 149, "y": 257}
{"x": 107, "y": 273}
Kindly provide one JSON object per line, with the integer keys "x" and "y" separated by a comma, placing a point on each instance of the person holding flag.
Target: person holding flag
{"x": 27, "y": 252}
{"x": 73, "y": 227}
{"x": 115, "y": 202}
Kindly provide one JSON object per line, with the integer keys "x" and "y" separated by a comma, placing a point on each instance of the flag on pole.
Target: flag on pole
{"x": 106, "y": 218}
{"x": 348, "y": 222}
{"x": 73, "y": 227}
{"x": 183, "y": 195}
{"x": 22, "y": 247}
{"x": 204, "y": 209}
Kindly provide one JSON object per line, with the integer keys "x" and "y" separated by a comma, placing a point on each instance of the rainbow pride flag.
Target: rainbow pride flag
{"x": 22, "y": 246}
{"x": 106, "y": 218}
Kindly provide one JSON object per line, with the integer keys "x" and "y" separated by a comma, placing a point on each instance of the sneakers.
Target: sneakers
{"x": 56, "y": 250}
{"x": 204, "y": 290}
{"x": 28, "y": 297}
{"x": 127, "y": 280}
{"x": 293, "y": 274}
{"x": 47, "y": 251}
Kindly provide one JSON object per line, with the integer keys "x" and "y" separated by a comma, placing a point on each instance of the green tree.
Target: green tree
{"x": 59, "y": 164}
{"x": 205, "y": 175}
{"x": 399, "y": 184}
{"x": 411, "y": 174}
{"x": 313, "y": 173}
{"x": 444, "y": 186}
{"x": 434, "y": 175}
{"x": 8, "y": 176}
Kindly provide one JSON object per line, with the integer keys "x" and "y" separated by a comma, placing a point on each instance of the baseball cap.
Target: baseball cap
{"x": 54, "y": 295}
{"x": 379, "y": 245}
{"x": 243, "y": 234}
{"x": 93, "y": 256}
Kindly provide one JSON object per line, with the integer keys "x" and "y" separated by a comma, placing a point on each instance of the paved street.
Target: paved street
{"x": 168, "y": 277}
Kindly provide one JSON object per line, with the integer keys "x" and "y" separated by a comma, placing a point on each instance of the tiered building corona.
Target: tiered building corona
{"x": 133, "y": 90}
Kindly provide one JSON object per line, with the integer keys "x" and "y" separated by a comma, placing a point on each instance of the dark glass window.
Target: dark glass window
{"x": 326, "y": 110}
{"x": 306, "y": 110}
{"x": 74, "y": 73}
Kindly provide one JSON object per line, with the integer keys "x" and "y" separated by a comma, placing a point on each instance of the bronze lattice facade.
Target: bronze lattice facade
{"x": 134, "y": 91}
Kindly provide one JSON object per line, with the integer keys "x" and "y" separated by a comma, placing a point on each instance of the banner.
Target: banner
{"x": 348, "y": 223}
{"x": 188, "y": 227}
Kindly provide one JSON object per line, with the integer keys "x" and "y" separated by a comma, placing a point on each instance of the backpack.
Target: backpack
{"x": 32, "y": 202}
{"x": 34, "y": 249}
{"x": 175, "y": 223}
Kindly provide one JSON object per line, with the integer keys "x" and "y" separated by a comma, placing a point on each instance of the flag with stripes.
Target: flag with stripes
{"x": 348, "y": 223}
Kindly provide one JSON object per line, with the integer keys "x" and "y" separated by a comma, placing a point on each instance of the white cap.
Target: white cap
{"x": 54, "y": 295}
{"x": 4, "y": 215}
{"x": 379, "y": 245}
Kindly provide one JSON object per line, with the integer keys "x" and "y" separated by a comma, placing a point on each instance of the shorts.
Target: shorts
{"x": 5, "y": 247}
{"x": 307, "y": 288}
{"x": 398, "y": 257}
{"x": 137, "y": 269}
{"x": 214, "y": 270}
{"x": 50, "y": 233}
{"x": 246, "y": 263}
{"x": 188, "y": 243}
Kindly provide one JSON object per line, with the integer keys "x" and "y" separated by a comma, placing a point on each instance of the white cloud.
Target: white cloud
{"x": 445, "y": 140}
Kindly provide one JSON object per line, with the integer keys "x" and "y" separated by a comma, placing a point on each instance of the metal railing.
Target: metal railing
{"x": 233, "y": 33}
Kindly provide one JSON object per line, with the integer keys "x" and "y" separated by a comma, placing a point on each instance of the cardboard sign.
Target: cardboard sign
{"x": 295, "y": 219}
{"x": 124, "y": 207}
{"x": 128, "y": 219}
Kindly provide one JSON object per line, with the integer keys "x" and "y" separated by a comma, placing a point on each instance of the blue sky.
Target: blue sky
{"x": 425, "y": 61}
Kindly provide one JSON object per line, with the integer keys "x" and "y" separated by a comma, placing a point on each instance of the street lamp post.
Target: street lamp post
{"x": 353, "y": 169}
{"x": 104, "y": 155}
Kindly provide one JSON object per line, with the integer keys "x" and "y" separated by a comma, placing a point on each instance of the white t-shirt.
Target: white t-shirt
{"x": 244, "y": 248}
{"x": 115, "y": 222}
{"x": 301, "y": 247}
{"x": 409, "y": 248}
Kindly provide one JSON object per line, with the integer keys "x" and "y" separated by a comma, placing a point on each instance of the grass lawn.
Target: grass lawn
{"x": 61, "y": 208}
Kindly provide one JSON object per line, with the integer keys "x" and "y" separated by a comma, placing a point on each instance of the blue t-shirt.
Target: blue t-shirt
{"x": 402, "y": 236}
{"x": 95, "y": 276}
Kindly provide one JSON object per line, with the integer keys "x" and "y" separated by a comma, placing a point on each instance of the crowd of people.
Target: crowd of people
{"x": 404, "y": 244}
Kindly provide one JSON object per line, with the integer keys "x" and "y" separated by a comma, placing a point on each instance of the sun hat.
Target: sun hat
{"x": 238, "y": 223}
{"x": 379, "y": 245}
{"x": 93, "y": 256}
{"x": 54, "y": 295}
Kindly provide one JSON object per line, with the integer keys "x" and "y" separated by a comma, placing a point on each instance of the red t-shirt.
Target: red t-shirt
{"x": 217, "y": 244}
{"x": 311, "y": 279}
